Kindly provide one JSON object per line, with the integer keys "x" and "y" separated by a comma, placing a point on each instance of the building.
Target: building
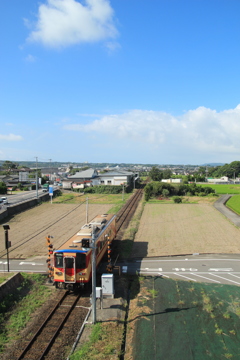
{"x": 91, "y": 177}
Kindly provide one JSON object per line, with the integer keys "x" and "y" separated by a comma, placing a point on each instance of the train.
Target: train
{"x": 72, "y": 262}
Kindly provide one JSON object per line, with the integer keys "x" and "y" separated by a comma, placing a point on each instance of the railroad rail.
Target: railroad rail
{"x": 42, "y": 345}
{"x": 125, "y": 214}
{"x": 68, "y": 308}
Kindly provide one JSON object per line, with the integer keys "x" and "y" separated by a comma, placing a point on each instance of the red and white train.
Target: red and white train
{"x": 72, "y": 262}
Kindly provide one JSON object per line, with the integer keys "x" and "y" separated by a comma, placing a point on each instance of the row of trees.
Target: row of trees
{"x": 156, "y": 188}
{"x": 105, "y": 189}
{"x": 231, "y": 170}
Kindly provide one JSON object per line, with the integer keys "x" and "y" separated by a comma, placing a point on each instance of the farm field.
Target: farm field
{"x": 234, "y": 203}
{"x": 183, "y": 320}
{"x": 224, "y": 188}
{"x": 174, "y": 229}
{"x": 28, "y": 230}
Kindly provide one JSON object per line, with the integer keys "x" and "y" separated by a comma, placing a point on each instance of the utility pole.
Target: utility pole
{"x": 93, "y": 277}
{"x": 123, "y": 192}
{"x": 37, "y": 177}
{"x": 50, "y": 178}
{"x": 86, "y": 210}
{"x": 7, "y": 243}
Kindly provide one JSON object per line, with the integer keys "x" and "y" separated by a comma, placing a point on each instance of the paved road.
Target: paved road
{"x": 218, "y": 269}
{"x": 219, "y": 205}
{"x": 213, "y": 268}
{"x": 37, "y": 265}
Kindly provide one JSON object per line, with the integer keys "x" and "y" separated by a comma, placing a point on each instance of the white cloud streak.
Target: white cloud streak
{"x": 199, "y": 131}
{"x": 61, "y": 23}
{"x": 11, "y": 137}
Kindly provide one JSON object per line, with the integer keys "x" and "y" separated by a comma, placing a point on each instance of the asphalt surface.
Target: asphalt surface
{"x": 220, "y": 206}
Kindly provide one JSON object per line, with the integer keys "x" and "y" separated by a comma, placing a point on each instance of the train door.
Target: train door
{"x": 70, "y": 269}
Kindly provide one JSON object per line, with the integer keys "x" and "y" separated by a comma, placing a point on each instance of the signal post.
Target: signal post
{"x": 50, "y": 252}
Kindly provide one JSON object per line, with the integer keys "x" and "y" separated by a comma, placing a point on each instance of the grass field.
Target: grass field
{"x": 234, "y": 204}
{"x": 175, "y": 229}
{"x": 183, "y": 320}
{"x": 116, "y": 200}
{"x": 224, "y": 188}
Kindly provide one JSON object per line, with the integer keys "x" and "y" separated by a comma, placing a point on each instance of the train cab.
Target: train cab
{"x": 73, "y": 260}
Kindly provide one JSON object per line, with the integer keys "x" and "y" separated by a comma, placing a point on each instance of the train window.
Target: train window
{"x": 69, "y": 263}
{"x": 80, "y": 261}
{"x": 59, "y": 260}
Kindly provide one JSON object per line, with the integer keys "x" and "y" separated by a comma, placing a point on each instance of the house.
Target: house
{"x": 117, "y": 177}
{"x": 91, "y": 177}
{"x": 81, "y": 179}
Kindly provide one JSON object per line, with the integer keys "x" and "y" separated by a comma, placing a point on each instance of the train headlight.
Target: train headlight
{"x": 59, "y": 273}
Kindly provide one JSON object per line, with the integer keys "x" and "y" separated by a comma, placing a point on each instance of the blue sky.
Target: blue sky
{"x": 120, "y": 81}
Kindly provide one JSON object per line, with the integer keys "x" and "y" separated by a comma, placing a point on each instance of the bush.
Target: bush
{"x": 177, "y": 199}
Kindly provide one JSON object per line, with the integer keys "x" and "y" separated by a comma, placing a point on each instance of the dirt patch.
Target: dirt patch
{"x": 174, "y": 229}
{"x": 28, "y": 230}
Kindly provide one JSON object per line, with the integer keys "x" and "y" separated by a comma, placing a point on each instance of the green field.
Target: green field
{"x": 234, "y": 204}
{"x": 225, "y": 188}
{"x": 184, "y": 320}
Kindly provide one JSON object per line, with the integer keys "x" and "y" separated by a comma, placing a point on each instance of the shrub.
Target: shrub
{"x": 177, "y": 199}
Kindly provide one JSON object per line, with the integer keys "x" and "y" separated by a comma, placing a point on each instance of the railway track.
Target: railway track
{"x": 58, "y": 329}
{"x": 63, "y": 321}
{"x": 124, "y": 215}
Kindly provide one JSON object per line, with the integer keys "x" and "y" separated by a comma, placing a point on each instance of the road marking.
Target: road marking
{"x": 235, "y": 276}
{"x": 29, "y": 263}
{"x": 3, "y": 262}
{"x": 235, "y": 282}
{"x": 173, "y": 260}
{"x": 221, "y": 269}
{"x": 158, "y": 269}
{"x": 204, "y": 277}
{"x": 185, "y": 277}
{"x": 183, "y": 269}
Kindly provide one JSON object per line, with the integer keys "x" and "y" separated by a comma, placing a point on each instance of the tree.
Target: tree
{"x": 155, "y": 174}
{"x": 167, "y": 174}
{"x": 165, "y": 192}
{"x": 3, "y": 188}
{"x": 9, "y": 165}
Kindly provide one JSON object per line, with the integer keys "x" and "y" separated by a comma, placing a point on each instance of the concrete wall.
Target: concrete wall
{"x": 10, "y": 284}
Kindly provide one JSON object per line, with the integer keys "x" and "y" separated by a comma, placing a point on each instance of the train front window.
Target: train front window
{"x": 80, "y": 261}
{"x": 59, "y": 260}
{"x": 69, "y": 263}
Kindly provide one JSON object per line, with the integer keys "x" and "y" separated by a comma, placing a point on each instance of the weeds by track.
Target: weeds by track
{"x": 66, "y": 316}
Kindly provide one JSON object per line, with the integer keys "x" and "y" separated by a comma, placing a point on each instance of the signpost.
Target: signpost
{"x": 51, "y": 192}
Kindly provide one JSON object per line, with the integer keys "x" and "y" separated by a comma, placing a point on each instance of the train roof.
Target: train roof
{"x": 98, "y": 223}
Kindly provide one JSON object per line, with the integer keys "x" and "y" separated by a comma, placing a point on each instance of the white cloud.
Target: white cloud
{"x": 30, "y": 58}
{"x": 11, "y": 137}
{"x": 65, "y": 22}
{"x": 200, "y": 131}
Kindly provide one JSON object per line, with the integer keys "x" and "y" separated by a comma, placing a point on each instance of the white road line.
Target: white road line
{"x": 221, "y": 269}
{"x": 201, "y": 259}
{"x": 235, "y": 282}
{"x": 235, "y": 275}
{"x": 164, "y": 275}
{"x": 4, "y": 263}
{"x": 185, "y": 277}
{"x": 204, "y": 277}
{"x": 158, "y": 269}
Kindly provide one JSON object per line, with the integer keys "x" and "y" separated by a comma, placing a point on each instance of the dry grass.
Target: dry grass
{"x": 28, "y": 230}
{"x": 173, "y": 229}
